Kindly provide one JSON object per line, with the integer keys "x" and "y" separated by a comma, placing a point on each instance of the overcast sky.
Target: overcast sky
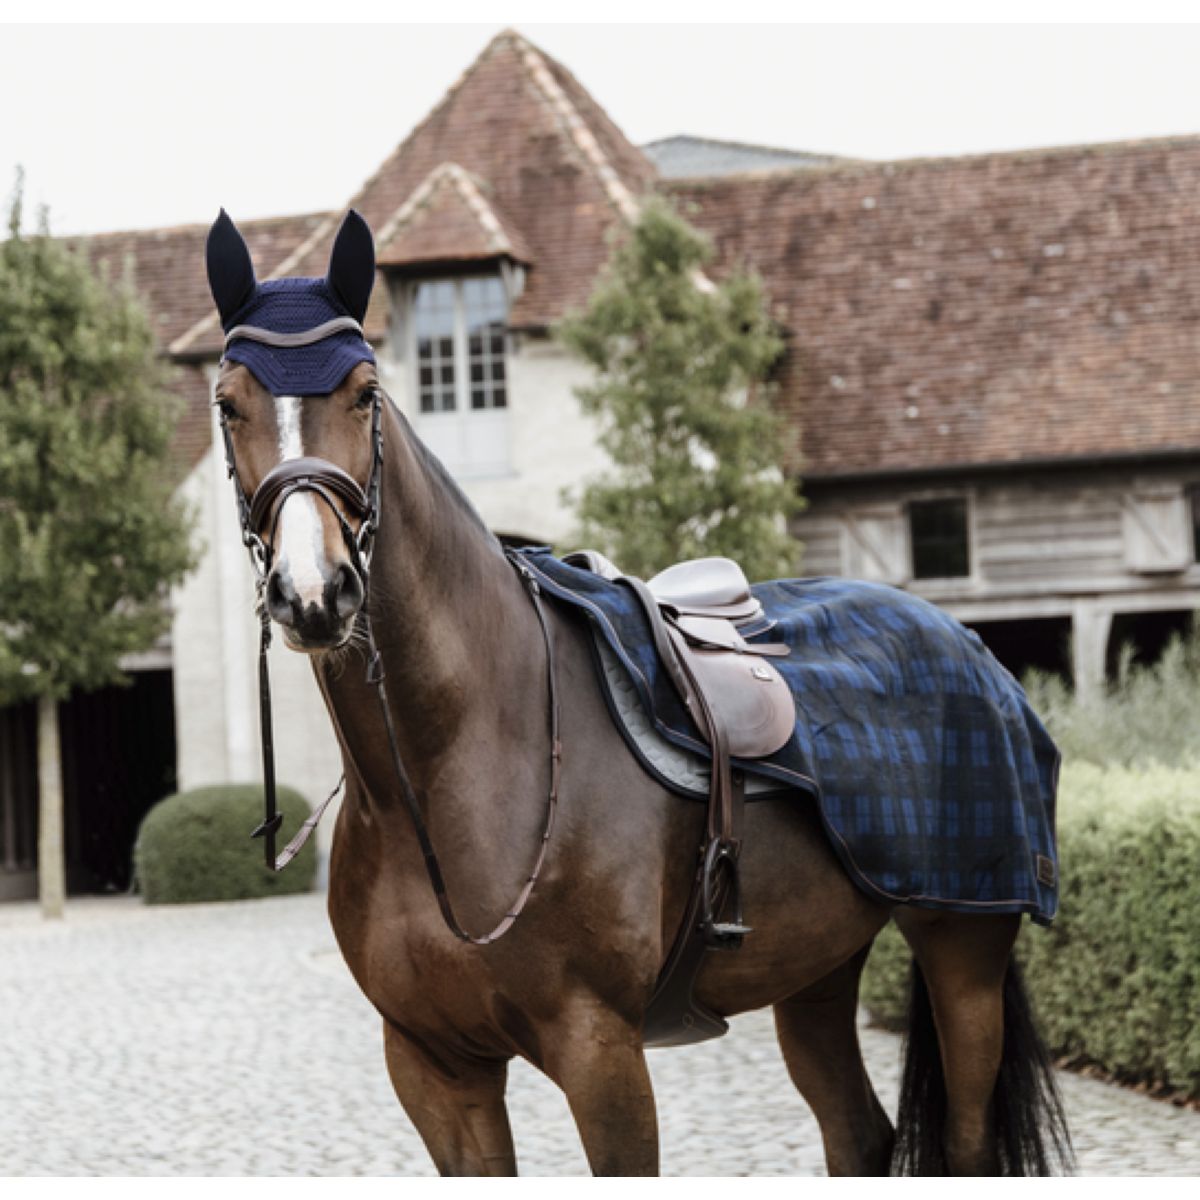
{"x": 123, "y": 127}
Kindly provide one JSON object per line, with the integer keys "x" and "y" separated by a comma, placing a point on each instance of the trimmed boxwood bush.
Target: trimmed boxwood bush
{"x": 1116, "y": 979}
{"x": 196, "y": 846}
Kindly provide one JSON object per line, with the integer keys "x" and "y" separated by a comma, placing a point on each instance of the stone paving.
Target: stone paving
{"x": 228, "y": 1039}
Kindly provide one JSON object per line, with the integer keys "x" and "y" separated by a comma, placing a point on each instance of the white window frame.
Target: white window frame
{"x": 473, "y": 443}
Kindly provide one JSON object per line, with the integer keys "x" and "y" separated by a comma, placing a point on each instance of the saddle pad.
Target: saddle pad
{"x": 935, "y": 780}
{"x": 683, "y": 771}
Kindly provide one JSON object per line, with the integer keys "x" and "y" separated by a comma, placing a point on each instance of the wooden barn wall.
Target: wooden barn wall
{"x": 1031, "y": 534}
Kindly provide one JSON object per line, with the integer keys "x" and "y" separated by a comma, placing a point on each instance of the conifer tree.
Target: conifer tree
{"x": 684, "y": 409}
{"x": 91, "y": 538}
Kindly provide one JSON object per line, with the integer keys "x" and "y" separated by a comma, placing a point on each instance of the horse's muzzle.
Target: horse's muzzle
{"x": 311, "y": 626}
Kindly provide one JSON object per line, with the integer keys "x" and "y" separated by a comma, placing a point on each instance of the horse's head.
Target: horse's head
{"x": 300, "y": 406}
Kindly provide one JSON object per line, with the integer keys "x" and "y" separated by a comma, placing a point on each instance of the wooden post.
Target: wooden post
{"x": 52, "y": 883}
{"x": 1090, "y": 628}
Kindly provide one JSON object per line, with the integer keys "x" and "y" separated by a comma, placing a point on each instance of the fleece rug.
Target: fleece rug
{"x": 936, "y": 781}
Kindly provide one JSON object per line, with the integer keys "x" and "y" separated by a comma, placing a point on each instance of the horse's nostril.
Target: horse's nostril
{"x": 281, "y": 599}
{"x": 347, "y": 591}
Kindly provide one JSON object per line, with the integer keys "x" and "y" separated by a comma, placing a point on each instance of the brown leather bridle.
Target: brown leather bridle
{"x": 334, "y": 485}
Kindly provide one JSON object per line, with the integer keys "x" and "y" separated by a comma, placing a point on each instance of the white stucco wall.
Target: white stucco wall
{"x": 552, "y": 444}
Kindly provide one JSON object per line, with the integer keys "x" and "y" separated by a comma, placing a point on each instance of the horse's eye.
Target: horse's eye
{"x": 227, "y": 410}
{"x": 367, "y": 397}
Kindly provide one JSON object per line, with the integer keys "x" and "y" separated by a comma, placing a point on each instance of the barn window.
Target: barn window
{"x": 940, "y": 538}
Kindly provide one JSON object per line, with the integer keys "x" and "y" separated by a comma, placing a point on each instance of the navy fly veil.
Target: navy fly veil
{"x": 299, "y": 336}
{"x": 936, "y": 781}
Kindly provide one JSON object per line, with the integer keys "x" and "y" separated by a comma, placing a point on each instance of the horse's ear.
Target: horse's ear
{"x": 352, "y": 265}
{"x": 230, "y": 269}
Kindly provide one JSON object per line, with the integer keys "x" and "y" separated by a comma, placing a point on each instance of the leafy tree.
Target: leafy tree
{"x": 684, "y": 412}
{"x": 91, "y": 539}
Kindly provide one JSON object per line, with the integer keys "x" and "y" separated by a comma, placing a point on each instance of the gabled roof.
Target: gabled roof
{"x": 448, "y": 219}
{"x": 542, "y": 152}
{"x": 1002, "y": 308}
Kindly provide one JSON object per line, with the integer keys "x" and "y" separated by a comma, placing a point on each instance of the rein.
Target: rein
{"x": 331, "y": 483}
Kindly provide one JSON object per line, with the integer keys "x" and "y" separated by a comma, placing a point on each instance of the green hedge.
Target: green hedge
{"x": 196, "y": 846}
{"x": 1116, "y": 979}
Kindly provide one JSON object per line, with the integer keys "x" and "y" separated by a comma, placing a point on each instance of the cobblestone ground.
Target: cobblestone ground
{"x": 228, "y": 1039}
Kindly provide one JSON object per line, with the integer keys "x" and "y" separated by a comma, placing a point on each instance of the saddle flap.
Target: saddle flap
{"x": 747, "y": 694}
{"x": 711, "y": 631}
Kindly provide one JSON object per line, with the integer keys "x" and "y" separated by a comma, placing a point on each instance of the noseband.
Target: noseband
{"x": 333, "y": 484}
{"x": 317, "y": 475}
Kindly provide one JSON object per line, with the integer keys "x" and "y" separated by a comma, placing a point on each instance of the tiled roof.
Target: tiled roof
{"x": 1001, "y": 308}
{"x": 166, "y": 267}
{"x": 448, "y": 218}
{"x": 991, "y": 309}
{"x": 557, "y": 168}
{"x": 193, "y": 434}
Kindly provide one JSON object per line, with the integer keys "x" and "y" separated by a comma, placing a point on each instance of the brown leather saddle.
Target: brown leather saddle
{"x": 696, "y": 612}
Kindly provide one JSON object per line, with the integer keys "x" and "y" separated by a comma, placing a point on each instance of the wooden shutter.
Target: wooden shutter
{"x": 1156, "y": 530}
{"x": 875, "y": 544}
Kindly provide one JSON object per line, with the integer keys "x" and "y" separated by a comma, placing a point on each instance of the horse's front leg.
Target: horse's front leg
{"x": 456, "y": 1104}
{"x": 599, "y": 1063}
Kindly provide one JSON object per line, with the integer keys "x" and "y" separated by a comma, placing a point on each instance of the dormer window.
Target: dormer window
{"x": 458, "y": 343}
{"x": 459, "y": 325}
{"x": 435, "y": 321}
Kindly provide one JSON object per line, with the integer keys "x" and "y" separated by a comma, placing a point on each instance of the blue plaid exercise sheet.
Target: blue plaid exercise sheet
{"x": 935, "y": 779}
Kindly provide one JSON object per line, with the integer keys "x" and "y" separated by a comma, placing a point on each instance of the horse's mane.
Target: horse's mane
{"x": 436, "y": 469}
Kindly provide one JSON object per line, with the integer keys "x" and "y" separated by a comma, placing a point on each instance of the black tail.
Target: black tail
{"x": 1027, "y": 1113}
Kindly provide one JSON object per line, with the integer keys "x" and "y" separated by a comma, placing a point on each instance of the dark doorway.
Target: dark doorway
{"x": 118, "y": 748}
{"x": 1043, "y": 644}
{"x": 18, "y": 801}
{"x": 1147, "y": 634}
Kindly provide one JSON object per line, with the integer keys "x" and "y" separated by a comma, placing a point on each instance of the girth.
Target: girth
{"x": 709, "y": 663}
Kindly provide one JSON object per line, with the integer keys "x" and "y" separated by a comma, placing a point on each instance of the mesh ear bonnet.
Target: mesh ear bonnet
{"x": 301, "y": 336}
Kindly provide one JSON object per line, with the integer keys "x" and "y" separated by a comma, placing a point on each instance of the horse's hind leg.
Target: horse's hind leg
{"x": 819, "y": 1037}
{"x": 964, "y": 960}
{"x": 456, "y": 1104}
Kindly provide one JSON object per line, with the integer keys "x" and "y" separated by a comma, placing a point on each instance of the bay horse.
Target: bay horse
{"x": 566, "y": 989}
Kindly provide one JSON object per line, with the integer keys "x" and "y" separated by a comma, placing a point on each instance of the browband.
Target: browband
{"x": 306, "y": 337}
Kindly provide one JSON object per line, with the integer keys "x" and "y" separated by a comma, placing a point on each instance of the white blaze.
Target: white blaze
{"x": 301, "y": 547}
